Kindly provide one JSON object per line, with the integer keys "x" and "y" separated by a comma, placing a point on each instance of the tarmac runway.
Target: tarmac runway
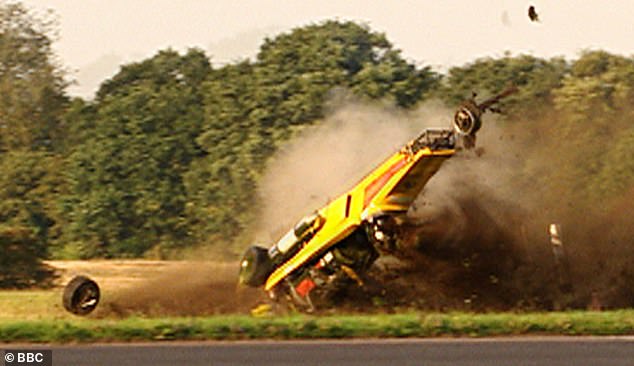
{"x": 553, "y": 351}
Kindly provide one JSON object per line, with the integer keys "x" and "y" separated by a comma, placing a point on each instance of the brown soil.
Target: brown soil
{"x": 178, "y": 288}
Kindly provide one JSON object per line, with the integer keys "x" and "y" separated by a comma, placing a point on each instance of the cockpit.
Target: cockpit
{"x": 300, "y": 233}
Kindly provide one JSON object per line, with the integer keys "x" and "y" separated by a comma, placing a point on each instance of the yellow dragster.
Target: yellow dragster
{"x": 338, "y": 243}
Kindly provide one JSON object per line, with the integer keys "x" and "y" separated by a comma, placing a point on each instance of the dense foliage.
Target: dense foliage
{"x": 32, "y": 101}
{"x": 169, "y": 153}
{"x": 126, "y": 190}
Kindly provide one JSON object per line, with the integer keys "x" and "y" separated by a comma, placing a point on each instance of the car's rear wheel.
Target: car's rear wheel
{"x": 81, "y": 295}
{"x": 255, "y": 266}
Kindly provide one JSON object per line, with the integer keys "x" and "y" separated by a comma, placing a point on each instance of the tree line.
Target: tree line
{"x": 169, "y": 153}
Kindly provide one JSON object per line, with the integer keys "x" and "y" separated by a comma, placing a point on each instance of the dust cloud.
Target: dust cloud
{"x": 477, "y": 236}
{"x": 192, "y": 288}
{"x": 326, "y": 160}
{"x": 479, "y": 231}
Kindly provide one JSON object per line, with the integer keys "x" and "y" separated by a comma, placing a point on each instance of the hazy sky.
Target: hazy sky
{"x": 96, "y": 36}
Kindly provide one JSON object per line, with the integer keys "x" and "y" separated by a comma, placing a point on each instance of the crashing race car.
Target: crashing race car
{"x": 335, "y": 246}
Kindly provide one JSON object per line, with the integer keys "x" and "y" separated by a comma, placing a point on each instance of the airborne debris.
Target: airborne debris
{"x": 532, "y": 14}
{"x": 81, "y": 295}
{"x": 506, "y": 21}
{"x": 561, "y": 259}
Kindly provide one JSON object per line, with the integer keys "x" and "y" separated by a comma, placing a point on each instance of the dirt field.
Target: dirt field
{"x": 140, "y": 287}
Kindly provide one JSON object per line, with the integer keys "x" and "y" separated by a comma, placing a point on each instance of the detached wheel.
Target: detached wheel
{"x": 81, "y": 295}
{"x": 255, "y": 266}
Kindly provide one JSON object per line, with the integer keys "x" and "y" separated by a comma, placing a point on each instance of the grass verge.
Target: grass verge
{"x": 240, "y": 327}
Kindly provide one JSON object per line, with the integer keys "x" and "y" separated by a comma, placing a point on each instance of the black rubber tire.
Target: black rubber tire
{"x": 81, "y": 295}
{"x": 255, "y": 266}
{"x": 471, "y": 120}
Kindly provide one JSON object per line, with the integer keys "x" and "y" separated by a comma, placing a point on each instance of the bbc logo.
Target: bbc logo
{"x": 30, "y": 357}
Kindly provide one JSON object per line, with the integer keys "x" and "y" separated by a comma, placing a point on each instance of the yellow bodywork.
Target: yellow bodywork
{"x": 390, "y": 188}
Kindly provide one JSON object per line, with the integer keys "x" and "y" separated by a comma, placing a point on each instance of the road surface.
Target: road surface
{"x": 553, "y": 351}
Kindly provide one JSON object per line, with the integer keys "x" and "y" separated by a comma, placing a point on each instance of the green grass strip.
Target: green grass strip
{"x": 240, "y": 327}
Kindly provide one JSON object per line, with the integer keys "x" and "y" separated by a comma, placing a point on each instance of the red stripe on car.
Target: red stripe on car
{"x": 375, "y": 186}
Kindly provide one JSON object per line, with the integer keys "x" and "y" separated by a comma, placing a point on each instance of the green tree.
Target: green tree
{"x": 296, "y": 71}
{"x": 599, "y": 87}
{"x": 253, "y": 108}
{"x": 595, "y": 111}
{"x": 220, "y": 185}
{"x": 29, "y": 218}
{"x": 20, "y": 262}
{"x": 535, "y": 78}
{"x": 390, "y": 76}
{"x": 616, "y": 175}
{"x": 32, "y": 101}
{"x": 31, "y": 83}
{"x": 127, "y": 194}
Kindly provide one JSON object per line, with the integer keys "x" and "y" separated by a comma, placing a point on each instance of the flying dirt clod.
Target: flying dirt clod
{"x": 532, "y": 14}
